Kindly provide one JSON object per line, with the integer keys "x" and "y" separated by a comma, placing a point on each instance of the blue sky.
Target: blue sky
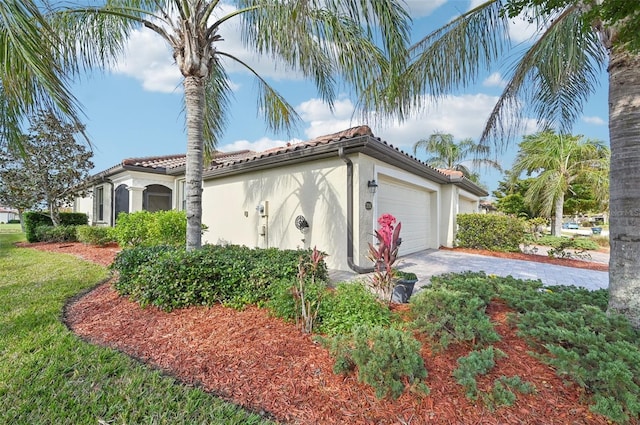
{"x": 135, "y": 108}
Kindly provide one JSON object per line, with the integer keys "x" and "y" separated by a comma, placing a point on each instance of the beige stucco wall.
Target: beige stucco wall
{"x": 314, "y": 190}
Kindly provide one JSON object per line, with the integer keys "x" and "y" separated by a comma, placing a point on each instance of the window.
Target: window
{"x": 183, "y": 195}
{"x": 156, "y": 198}
{"x": 99, "y": 197}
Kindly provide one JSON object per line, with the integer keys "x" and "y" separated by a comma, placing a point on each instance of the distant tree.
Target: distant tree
{"x": 17, "y": 190}
{"x": 447, "y": 154}
{"x": 560, "y": 161}
{"x": 48, "y": 167}
{"x": 510, "y": 196}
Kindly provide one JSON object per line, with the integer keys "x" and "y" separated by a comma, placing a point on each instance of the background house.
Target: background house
{"x": 326, "y": 192}
{"x": 7, "y": 214}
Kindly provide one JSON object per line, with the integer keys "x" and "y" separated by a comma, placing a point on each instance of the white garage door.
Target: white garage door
{"x": 410, "y": 205}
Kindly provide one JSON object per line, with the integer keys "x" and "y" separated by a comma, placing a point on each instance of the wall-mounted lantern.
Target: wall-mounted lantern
{"x": 372, "y": 185}
{"x": 302, "y": 224}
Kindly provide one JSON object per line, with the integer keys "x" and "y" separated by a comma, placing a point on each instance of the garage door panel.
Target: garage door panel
{"x": 411, "y": 206}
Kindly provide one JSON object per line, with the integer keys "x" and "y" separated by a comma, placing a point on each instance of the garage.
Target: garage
{"x": 411, "y": 205}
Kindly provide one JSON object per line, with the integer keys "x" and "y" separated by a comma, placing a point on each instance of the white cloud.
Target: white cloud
{"x": 259, "y": 145}
{"x": 494, "y": 80}
{"x": 147, "y": 58}
{"x": 463, "y": 116}
{"x": 594, "y": 120}
{"x": 420, "y": 8}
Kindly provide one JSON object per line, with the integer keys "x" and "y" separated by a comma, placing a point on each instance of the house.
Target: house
{"x": 7, "y": 214}
{"x": 326, "y": 192}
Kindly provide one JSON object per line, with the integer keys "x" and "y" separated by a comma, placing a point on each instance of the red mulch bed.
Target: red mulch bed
{"x": 269, "y": 366}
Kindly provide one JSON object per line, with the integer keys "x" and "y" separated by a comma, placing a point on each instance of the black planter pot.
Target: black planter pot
{"x": 403, "y": 290}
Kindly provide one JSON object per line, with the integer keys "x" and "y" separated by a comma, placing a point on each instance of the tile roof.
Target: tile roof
{"x": 225, "y": 159}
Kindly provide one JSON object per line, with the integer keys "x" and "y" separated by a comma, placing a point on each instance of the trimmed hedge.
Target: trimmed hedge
{"x": 35, "y": 219}
{"x": 95, "y": 235}
{"x": 144, "y": 228}
{"x": 172, "y": 278}
{"x": 493, "y": 232}
{"x": 56, "y": 234}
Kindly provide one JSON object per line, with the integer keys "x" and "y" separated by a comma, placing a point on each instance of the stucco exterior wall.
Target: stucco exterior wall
{"x": 315, "y": 190}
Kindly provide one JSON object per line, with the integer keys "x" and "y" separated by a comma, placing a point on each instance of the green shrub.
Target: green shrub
{"x": 601, "y": 240}
{"x": 585, "y": 244}
{"x": 281, "y": 300}
{"x": 490, "y": 231}
{"x": 14, "y": 221}
{"x": 73, "y": 219}
{"x": 562, "y": 242}
{"x": 128, "y": 263}
{"x": 144, "y": 228}
{"x": 95, "y": 235}
{"x": 351, "y": 305}
{"x": 230, "y": 274}
{"x": 474, "y": 283}
{"x": 478, "y": 362}
{"x": 449, "y": 316}
{"x": 32, "y": 220}
{"x": 46, "y": 233}
{"x": 385, "y": 358}
{"x": 502, "y": 393}
{"x": 35, "y": 219}
{"x": 168, "y": 228}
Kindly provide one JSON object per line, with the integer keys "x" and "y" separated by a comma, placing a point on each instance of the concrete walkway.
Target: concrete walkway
{"x": 434, "y": 262}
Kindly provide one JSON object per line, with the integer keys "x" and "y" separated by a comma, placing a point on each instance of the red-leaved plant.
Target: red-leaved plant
{"x": 384, "y": 255}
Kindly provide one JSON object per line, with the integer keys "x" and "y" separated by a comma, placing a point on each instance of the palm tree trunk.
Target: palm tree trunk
{"x": 194, "y": 107}
{"x": 624, "y": 131}
{"x": 556, "y": 230}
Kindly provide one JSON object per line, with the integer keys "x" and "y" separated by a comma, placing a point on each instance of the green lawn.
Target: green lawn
{"x": 49, "y": 376}
{"x": 10, "y": 228}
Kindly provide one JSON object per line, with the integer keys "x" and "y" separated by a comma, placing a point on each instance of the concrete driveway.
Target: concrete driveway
{"x": 433, "y": 262}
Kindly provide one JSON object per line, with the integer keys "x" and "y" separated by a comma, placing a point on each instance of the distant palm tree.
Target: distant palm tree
{"x": 447, "y": 154}
{"x": 326, "y": 41}
{"x": 560, "y": 161}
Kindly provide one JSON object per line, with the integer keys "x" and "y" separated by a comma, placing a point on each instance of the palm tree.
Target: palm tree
{"x": 326, "y": 41}
{"x": 552, "y": 78}
{"x": 447, "y": 154}
{"x": 31, "y": 76}
{"x": 559, "y": 161}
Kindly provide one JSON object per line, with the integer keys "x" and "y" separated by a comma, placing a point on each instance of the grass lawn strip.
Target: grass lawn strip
{"x": 48, "y": 375}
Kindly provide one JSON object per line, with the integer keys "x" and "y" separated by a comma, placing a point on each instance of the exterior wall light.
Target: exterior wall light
{"x": 372, "y": 185}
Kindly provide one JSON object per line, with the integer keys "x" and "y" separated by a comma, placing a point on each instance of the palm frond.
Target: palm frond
{"x": 453, "y": 56}
{"x": 31, "y": 76}
{"x": 552, "y": 79}
{"x": 278, "y": 113}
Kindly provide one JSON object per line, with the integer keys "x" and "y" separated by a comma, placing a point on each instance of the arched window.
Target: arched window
{"x": 156, "y": 198}
{"x": 122, "y": 199}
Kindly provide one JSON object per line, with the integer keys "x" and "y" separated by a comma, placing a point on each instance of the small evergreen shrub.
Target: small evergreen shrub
{"x": 478, "y": 362}
{"x": 384, "y": 357}
{"x": 55, "y": 234}
{"x": 14, "y": 221}
{"x": 449, "y": 316}
{"x": 503, "y": 392}
{"x": 351, "y": 305}
{"x": 95, "y": 235}
{"x": 474, "y": 283}
{"x": 490, "y": 231}
{"x": 585, "y": 244}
